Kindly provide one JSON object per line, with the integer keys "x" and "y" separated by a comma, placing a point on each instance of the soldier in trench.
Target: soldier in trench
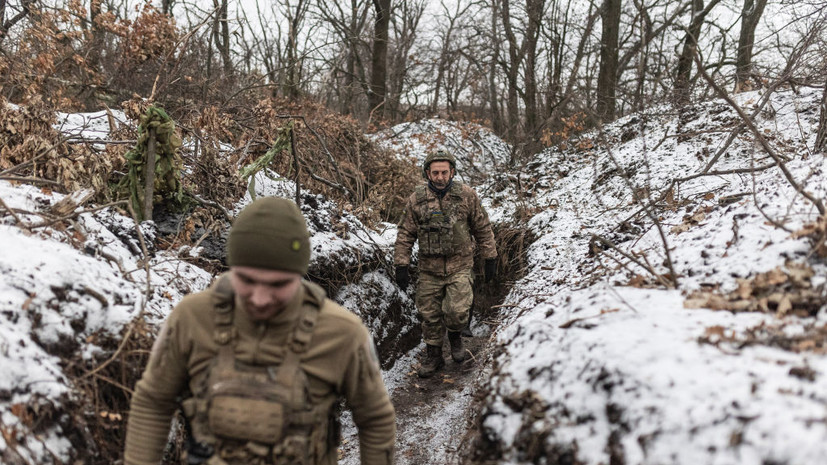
{"x": 261, "y": 359}
{"x": 443, "y": 215}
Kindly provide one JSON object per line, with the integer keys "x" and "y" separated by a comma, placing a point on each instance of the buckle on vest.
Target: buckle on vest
{"x": 306, "y": 324}
{"x": 224, "y": 336}
{"x": 299, "y": 346}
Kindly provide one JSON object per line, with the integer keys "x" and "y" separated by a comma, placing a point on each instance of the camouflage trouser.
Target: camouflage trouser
{"x": 444, "y": 302}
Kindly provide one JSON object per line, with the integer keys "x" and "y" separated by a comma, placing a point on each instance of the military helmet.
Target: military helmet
{"x": 439, "y": 155}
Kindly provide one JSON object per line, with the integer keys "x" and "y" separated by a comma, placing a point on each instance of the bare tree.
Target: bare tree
{"x": 648, "y": 64}
{"x": 405, "y": 19}
{"x": 221, "y": 34}
{"x": 683, "y": 73}
{"x": 379, "y": 58}
{"x": 295, "y": 13}
{"x": 347, "y": 22}
{"x": 607, "y": 77}
{"x": 15, "y": 14}
{"x": 522, "y": 56}
{"x": 821, "y": 135}
{"x": 750, "y": 15}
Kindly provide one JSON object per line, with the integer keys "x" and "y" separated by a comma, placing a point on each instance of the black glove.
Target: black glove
{"x": 402, "y": 276}
{"x": 490, "y": 269}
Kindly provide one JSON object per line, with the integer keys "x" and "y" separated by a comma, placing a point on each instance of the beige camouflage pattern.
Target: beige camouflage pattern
{"x": 470, "y": 220}
{"x": 444, "y": 302}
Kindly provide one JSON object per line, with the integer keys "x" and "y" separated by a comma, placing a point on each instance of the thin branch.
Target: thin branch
{"x": 76, "y": 214}
{"x": 634, "y": 260}
{"x": 32, "y": 180}
{"x": 760, "y": 137}
{"x": 13, "y": 214}
{"x": 647, "y": 208}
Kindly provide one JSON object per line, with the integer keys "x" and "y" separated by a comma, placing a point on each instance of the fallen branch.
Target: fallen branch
{"x": 14, "y": 215}
{"x": 31, "y": 180}
{"x": 217, "y": 205}
{"x": 645, "y": 266}
{"x": 82, "y": 140}
{"x": 76, "y": 214}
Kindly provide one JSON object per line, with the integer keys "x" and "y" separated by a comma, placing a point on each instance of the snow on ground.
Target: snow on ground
{"x": 597, "y": 367}
{"x": 479, "y": 152}
{"x": 64, "y": 289}
{"x": 593, "y": 361}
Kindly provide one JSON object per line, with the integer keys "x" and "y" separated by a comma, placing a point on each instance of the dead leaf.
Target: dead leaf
{"x": 784, "y": 306}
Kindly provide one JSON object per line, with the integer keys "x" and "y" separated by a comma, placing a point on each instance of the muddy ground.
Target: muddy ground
{"x": 433, "y": 415}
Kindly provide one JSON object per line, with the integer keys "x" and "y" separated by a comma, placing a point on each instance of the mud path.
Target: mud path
{"x": 432, "y": 414}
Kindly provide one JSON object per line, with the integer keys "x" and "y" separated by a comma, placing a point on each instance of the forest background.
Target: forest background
{"x": 533, "y": 71}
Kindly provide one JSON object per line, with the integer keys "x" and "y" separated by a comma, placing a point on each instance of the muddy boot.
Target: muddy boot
{"x": 457, "y": 352}
{"x": 433, "y": 361}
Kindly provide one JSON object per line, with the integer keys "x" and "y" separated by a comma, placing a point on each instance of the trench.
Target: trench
{"x": 437, "y": 417}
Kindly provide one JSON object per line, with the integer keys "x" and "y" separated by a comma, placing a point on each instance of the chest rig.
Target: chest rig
{"x": 261, "y": 415}
{"x": 442, "y": 232}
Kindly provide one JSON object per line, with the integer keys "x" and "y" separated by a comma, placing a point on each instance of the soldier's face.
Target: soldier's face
{"x": 265, "y": 293}
{"x": 440, "y": 173}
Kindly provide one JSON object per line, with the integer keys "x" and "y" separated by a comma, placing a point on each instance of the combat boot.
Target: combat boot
{"x": 433, "y": 361}
{"x": 457, "y": 352}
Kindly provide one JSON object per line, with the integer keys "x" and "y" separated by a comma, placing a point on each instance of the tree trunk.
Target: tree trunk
{"x": 6, "y": 24}
{"x": 512, "y": 73}
{"x": 683, "y": 75}
{"x": 493, "y": 95}
{"x": 607, "y": 77}
{"x": 821, "y": 137}
{"x": 295, "y": 17}
{"x": 221, "y": 34}
{"x": 535, "y": 10}
{"x": 750, "y": 15}
{"x": 379, "y": 59}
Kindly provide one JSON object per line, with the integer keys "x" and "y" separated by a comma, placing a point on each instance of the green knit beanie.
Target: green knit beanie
{"x": 270, "y": 233}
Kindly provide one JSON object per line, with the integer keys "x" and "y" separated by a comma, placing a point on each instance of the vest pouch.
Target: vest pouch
{"x": 436, "y": 238}
{"x": 246, "y": 419}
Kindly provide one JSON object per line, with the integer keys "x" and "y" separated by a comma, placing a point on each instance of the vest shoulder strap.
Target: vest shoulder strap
{"x": 301, "y": 336}
{"x": 223, "y": 299}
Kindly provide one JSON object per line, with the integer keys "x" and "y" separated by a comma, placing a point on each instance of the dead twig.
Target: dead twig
{"x": 14, "y": 215}
{"x": 216, "y": 205}
{"x": 645, "y": 266}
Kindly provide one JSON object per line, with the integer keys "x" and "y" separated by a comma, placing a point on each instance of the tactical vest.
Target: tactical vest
{"x": 441, "y": 233}
{"x": 260, "y": 415}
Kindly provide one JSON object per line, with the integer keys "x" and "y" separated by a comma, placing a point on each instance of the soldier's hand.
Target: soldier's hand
{"x": 402, "y": 276}
{"x": 490, "y": 269}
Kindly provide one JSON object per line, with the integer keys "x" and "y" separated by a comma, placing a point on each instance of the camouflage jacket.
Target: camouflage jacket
{"x": 447, "y": 230}
{"x": 340, "y": 363}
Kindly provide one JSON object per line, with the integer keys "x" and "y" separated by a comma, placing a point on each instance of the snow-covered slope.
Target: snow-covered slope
{"x": 599, "y": 363}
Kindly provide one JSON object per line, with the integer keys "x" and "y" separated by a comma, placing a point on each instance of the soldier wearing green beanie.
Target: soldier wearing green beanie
{"x": 261, "y": 358}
